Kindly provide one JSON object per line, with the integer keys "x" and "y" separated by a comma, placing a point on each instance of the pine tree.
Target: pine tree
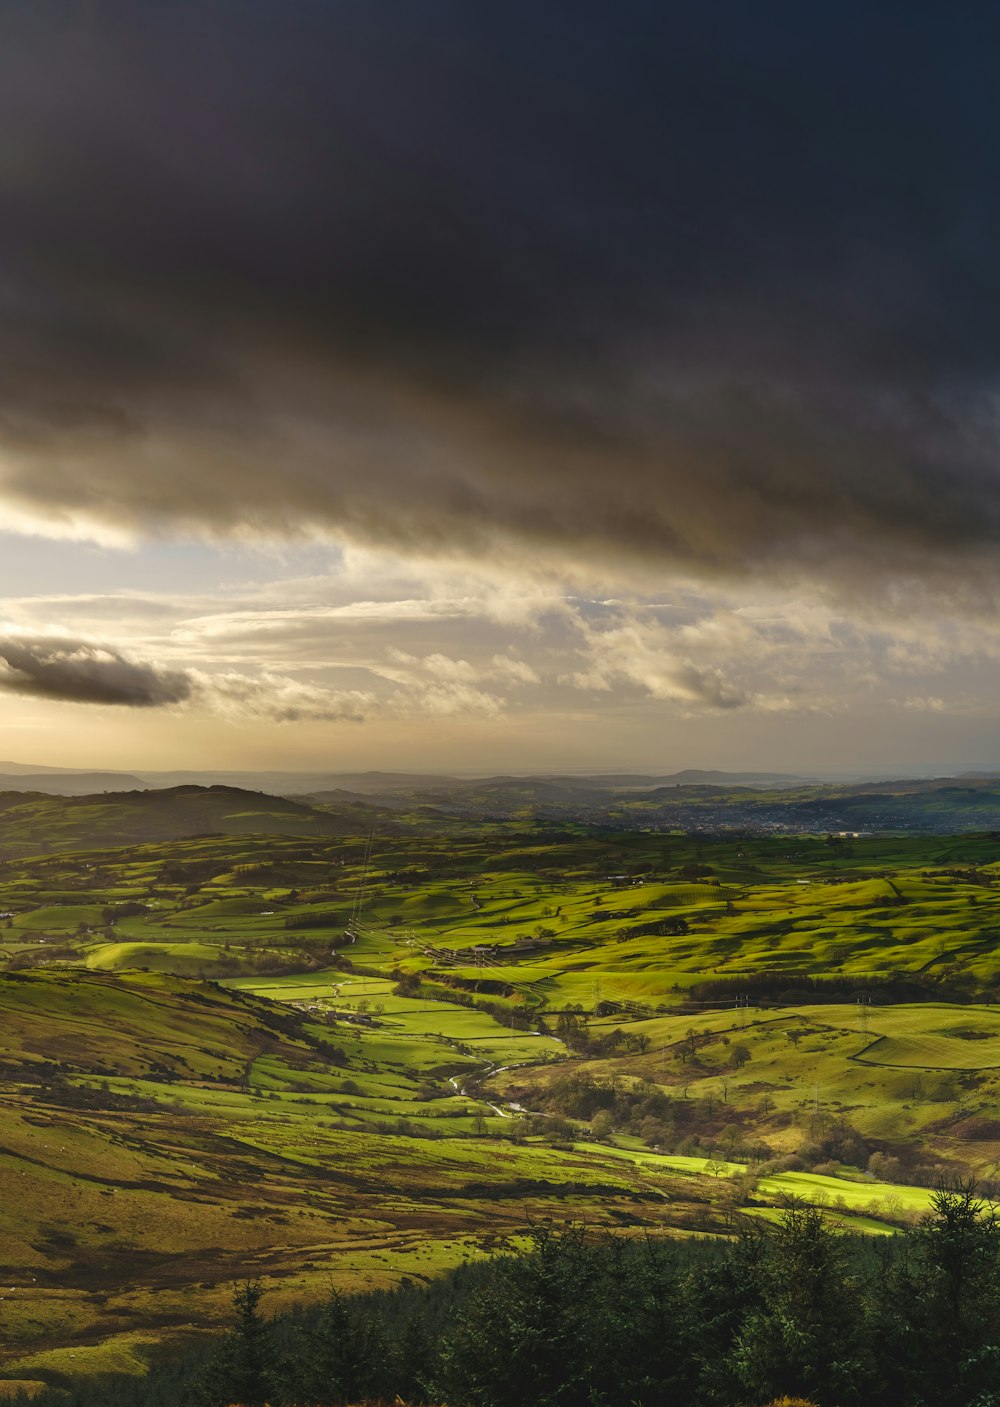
{"x": 342, "y": 1358}
{"x": 807, "y": 1334}
{"x": 242, "y": 1369}
{"x": 944, "y": 1306}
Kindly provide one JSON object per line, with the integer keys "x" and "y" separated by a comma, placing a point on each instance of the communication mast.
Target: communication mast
{"x": 864, "y": 1015}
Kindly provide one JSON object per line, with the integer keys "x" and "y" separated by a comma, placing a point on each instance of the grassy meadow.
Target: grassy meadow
{"x": 262, "y": 1054}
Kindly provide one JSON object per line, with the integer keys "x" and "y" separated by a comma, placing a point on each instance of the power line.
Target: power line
{"x": 360, "y": 891}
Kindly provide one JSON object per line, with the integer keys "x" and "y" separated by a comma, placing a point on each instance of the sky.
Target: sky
{"x": 525, "y": 387}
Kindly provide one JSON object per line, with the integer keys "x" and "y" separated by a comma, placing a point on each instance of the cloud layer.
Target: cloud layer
{"x": 75, "y": 671}
{"x": 709, "y": 287}
{"x": 385, "y": 663}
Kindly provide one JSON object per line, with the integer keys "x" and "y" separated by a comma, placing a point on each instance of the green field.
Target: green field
{"x": 254, "y": 1054}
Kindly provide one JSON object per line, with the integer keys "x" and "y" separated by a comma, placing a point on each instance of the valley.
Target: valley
{"x": 357, "y": 1059}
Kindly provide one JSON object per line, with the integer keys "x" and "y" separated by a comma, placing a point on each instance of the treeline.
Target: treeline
{"x": 643, "y": 1110}
{"x": 791, "y": 987}
{"x": 792, "y": 1308}
{"x": 706, "y": 1125}
{"x": 318, "y": 919}
{"x": 438, "y": 988}
{"x": 573, "y": 1031}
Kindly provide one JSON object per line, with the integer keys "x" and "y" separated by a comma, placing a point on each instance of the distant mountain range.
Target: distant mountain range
{"x": 68, "y": 781}
{"x": 37, "y": 821}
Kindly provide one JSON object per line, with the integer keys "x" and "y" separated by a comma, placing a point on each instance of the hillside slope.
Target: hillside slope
{"x": 158, "y": 1135}
{"x": 37, "y": 824}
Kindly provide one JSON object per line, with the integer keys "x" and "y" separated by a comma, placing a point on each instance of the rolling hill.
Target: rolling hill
{"x": 40, "y": 824}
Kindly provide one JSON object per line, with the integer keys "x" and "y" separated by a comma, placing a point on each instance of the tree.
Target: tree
{"x": 412, "y": 1360}
{"x": 570, "y": 1324}
{"x": 343, "y": 1357}
{"x": 806, "y": 1335}
{"x": 740, "y": 1055}
{"x": 944, "y": 1305}
{"x": 602, "y": 1124}
{"x": 243, "y": 1367}
{"x": 885, "y": 1167}
{"x": 518, "y": 1128}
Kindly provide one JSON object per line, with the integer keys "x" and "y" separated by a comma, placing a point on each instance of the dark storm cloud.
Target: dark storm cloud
{"x": 74, "y": 671}
{"x": 716, "y": 284}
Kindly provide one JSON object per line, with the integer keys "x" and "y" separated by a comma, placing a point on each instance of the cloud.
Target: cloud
{"x": 514, "y": 671}
{"x": 449, "y": 670}
{"x": 709, "y": 687}
{"x": 711, "y": 291}
{"x": 75, "y": 671}
{"x": 282, "y": 700}
{"x": 88, "y": 672}
{"x": 447, "y": 700}
{"x": 642, "y": 654}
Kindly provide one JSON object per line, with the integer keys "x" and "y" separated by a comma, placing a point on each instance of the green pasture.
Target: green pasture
{"x": 185, "y": 959}
{"x": 297, "y": 1118}
{"x": 929, "y": 1036}
{"x": 837, "y": 1193}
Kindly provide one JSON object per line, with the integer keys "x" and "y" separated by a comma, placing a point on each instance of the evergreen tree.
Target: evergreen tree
{"x": 413, "y": 1360}
{"x": 943, "y": 1307}
{"x": 342, "y": 1356}
{"x": 806, "y": 1336}
{"x": 242, "y": 1368}
{"x": 724, "y": 1293}
{"x": 643, "y": 1328}
{"x": 529, "y": 1330}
